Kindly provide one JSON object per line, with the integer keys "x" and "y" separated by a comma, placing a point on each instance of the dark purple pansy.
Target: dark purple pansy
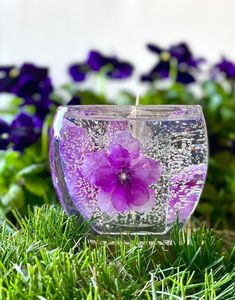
{"x": 75, "y": 101}
{"x": 8, "y": 78}
{"x": 21, "y": 133}
{"x": 4, "y": 134}
{"x": 115, "y": 68}
{"x": 227, "y": 67}
{"x": 122, "y": 175}
{"x": 32, "y": 82}
{"x": 29, "y": 82}
{"x": 161, "y": 70}
{"x": 185, "y": 63}
{"x": 25, "y": 130}
{"x": 78, "y": 72}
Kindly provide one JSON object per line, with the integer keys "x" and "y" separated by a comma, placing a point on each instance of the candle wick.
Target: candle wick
{"x": 137, "y": 100}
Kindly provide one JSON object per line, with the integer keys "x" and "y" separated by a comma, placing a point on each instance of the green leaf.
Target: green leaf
{"x": 32, "y": 170}
{"x": 36, "y": 185}
{"x": 13, "y": 199}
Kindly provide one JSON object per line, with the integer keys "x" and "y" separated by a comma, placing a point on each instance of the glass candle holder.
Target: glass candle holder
{"x": 129, "y": 169}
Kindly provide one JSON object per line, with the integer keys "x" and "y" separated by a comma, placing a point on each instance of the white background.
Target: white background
{"x": 58, "y": 32}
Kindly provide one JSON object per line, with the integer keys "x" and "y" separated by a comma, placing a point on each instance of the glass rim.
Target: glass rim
{"x": 134, "y": 112}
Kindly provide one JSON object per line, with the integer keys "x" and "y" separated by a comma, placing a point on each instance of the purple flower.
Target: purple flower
{"x": 117, "y": 69}
{"x": 8, "y": 77}
{"x": 185, "y": 190}
{"x": 186, "y": 64}
{"x": 227, "y": 67}
{"x": 122, "y": 175}
{"x": 78, "y": 72}
{"x": 74, "y": 101}
{"x": 96, "y": 61}
{"x": 29, "y": 82}
{"x": 181, "y": 52}
{"x": 32, "y": 82}
{"x": 21, "y": 133}
{"x": 4, "y": 134}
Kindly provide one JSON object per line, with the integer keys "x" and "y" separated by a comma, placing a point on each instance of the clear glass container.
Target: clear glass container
{"x": 129, "y": 169}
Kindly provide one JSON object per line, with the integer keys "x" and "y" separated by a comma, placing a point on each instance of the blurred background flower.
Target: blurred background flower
{"x": 177, "y": 62}
{"x": 110, "y": 66}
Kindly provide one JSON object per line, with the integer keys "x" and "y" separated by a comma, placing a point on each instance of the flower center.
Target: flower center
{"x": 124, "y": 177}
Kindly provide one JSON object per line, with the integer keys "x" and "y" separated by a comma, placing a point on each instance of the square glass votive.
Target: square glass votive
{"x": 129, "y": 169}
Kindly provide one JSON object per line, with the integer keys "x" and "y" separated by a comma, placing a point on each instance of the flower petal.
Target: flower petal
{"x": 147, "y": 206}
{"x": 105, "y": 203}
{"x": 127, "y": 141}
{"x": 120, "y": 199}
{"x": 138, "y": 193}
{"x": 146, "y": 169}
{"x": 97, "y": 169}
{"x": 119, "y": 156}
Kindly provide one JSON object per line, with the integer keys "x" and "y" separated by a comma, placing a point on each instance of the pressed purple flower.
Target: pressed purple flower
{"x": 122, "y": 175}
{"x": 227, "y": 67}
{"x": 184, "y": 191}
{"x": 75, "y": 144}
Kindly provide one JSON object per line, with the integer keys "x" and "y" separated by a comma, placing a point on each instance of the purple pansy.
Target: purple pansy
{"x": 185, "y": 189}
{"x": 4, "y": 134}
{"x": 31, "y": 83}
{"x": 21, "y": 133}
{"x": 122, "y": 175}
{"x": 75, "y": 100}
{"x": 78, "y": 72}
{"x": 186, "y": 63}
{"x": 227, "y": 67}
{"x": 8, "y": 77}
{"x": 116, "y": 69}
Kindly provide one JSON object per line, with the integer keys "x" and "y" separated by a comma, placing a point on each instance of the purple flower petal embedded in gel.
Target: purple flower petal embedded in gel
{"x": 105, "y": 203}
{"x": 127, "y": 141}
{"x": 138, "y": 193}
{"x": 147, "y": 169}
{"x": 92, "y": 164}
{"x": 120, "y": 199}
{"x": 185, "y": 188}
{"x": 148, "y": 206}
{"x": 119, "y": 156}
{"x": 122, "y": 175}
{"x": 74, "y": 146}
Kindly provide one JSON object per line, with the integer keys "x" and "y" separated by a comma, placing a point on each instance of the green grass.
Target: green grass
{"x": 50, "y": 257}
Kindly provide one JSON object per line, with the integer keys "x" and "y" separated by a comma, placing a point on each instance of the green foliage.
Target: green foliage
{"x": 25, "y": 178}
{"x": 51, "y": 256}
